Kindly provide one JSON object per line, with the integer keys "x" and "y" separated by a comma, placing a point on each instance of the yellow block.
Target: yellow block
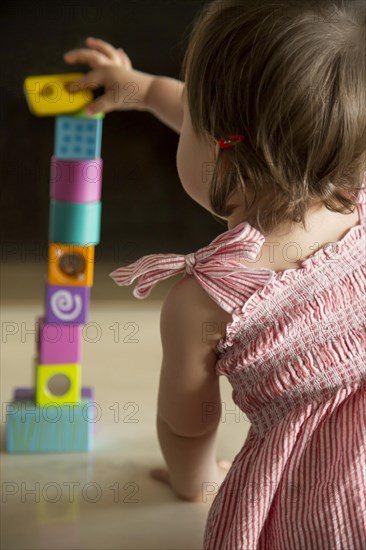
{"x": 47, "y": 95}
{"x": 44, "y": 375}
{"x": 70, "y": 264}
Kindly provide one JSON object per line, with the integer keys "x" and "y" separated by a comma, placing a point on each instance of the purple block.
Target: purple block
{"x": 28, "y": 394}
{"x": 59, "y": 343}
{"x": 87, "y": 393}
{"x": 67, "y": 304}
{"x": 76, "y": 180}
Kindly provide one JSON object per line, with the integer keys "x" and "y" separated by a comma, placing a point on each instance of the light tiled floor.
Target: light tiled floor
{"x": 116, "y": 504}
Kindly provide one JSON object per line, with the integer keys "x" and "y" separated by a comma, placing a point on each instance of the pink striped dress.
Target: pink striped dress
{"x": 295, "y": 355}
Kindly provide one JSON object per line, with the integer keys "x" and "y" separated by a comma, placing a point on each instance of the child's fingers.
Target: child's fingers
{"x": 89, "y": 57}
{"x": 104, "y": 104}
{"x": 92, "y": 79}
{"x": 104, "y": 47}
{"x": 126, "y": 61}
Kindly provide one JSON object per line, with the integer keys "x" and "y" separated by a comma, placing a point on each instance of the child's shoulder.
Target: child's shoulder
{"x": 281, "y": 252}
{"x": 189, "y": 303}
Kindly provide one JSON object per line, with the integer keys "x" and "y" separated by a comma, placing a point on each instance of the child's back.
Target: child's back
{"x": 295, "y": 355}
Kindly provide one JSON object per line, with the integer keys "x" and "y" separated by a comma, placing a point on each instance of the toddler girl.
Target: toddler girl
{"x": 271, "y": 112}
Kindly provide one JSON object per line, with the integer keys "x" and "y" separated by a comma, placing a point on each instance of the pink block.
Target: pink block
{"x": 76, "y": 180}
{"x": 58, "y": 343}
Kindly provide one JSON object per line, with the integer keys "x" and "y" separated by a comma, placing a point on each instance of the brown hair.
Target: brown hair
{"x": 291, "y": 77}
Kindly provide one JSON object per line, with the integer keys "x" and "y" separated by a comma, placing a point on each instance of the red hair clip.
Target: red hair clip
{"x": 229, "y": 141}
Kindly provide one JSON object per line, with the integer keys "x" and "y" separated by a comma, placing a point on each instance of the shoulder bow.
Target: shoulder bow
{"x": 216, "y": 267}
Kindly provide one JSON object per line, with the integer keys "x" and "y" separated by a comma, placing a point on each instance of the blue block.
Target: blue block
{"x": 51, "y": 428}
{"x": 75, "y": 222}
{"x": 29, "y": 394}
{"x": 78, "y": 137}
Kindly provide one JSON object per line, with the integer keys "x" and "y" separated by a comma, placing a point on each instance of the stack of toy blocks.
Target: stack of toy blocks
{"x": 57, "y": 414}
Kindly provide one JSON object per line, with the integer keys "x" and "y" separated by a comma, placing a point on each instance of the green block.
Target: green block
{"x": 51, "y": 428}
{"x": 83, "y": 114}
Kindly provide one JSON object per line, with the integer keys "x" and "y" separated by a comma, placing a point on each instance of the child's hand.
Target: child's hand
{"x": 125, "y": 88}
{"x": 223, "y": 466}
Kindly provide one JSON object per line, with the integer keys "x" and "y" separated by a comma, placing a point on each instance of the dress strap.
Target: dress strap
{"x": 216, "y": 267}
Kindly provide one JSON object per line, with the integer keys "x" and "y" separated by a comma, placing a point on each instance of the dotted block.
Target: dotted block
{"x": 78, "y": 137}
{"x": 54, "y": 428}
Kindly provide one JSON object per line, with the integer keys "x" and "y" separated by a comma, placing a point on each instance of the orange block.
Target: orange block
{"x": 70, "y": 264}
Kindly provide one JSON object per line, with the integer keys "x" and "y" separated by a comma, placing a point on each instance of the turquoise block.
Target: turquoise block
{"x": 52, "y": 428}
{"x": 75, "y": 222}
{"x": 77, "y": 137}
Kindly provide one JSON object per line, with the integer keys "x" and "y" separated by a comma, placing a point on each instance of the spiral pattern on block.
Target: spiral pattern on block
{"x": 65, "y": 305}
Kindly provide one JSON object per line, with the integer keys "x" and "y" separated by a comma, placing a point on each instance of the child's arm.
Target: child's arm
{"x": 191, "y": 461}
{"x": 189, "y": 403}
{"x": 164, "y": 101}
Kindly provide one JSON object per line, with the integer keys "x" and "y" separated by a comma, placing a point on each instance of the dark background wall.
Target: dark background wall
{"x": 145, "y": 209}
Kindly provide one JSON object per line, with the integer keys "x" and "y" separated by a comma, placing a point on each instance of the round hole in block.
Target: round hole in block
{"x": 72, "y": 264}
{"x": 49, "y": 91}
{"x": 58, "y": 384}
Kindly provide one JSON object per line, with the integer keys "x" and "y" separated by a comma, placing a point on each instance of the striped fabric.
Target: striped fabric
{"x": 295, "y": 355}
{"x": 216, "y": 267}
